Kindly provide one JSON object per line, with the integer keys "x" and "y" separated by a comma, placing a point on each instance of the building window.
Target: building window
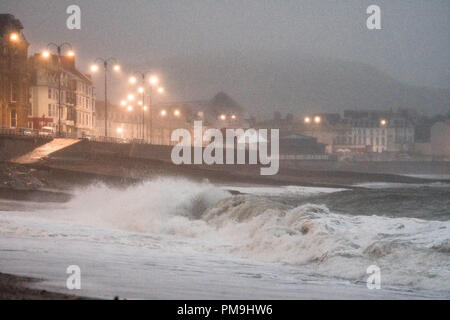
{"x": 13, "y": 119}
{"x": 13, "y": 92}
{"x": 49, "y": 93}
{"x": 49, "y": 110}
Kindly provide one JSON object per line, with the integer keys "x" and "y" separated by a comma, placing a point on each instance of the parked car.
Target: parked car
{"x": 47, "y": 131}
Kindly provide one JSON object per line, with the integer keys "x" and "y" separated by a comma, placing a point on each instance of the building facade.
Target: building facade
{"x": 376, "y": 131}
{"x": 14, "y": 76}
{"x": 74, "y": 110}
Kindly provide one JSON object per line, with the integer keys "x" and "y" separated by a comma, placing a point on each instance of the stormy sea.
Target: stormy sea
{"x": 171, "y": 238}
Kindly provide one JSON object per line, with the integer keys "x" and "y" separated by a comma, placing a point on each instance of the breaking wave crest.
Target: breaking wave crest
{"x": 409, "y": 251}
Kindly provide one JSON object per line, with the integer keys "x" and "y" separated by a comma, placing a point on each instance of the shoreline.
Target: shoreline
{"x": 53, "y": 179}
{"x": 15, "y": 287}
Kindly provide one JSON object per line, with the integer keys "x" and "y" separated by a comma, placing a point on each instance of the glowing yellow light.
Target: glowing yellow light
{"x": 46, "y": 54}
{"x": 14, "y": 36}
{"x": 233, "y": 117}
{"x": 145, "y": 108}
{"x": 119, "y": 130}
{"x": 116, "y": 67}
{"x": 71, "y": 53}
{"x": 383, "y": 122}
{"x": 161, "y": 90}
{"x": 94, "y": 68}
{"x": 307, "y": 120}
{"x": 130, "y": 108}
{"x": 123, "y": 103}
{"x": 177, "y": 113}
{"x": 141, "y": 90}
{"x": 223, "y": 117}
{"x": 140, "y": 103}
{"x": 130, "y": 97}
{"x": 163, "y": 113}
{"x": 317, "y": 119}
{"x": 154, "y": 80}
{"x": 133, "y": 79}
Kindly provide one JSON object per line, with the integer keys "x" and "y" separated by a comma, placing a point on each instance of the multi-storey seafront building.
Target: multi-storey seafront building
{"x": 74, "y": 111}
{"x": 362, "y": 131}
{"x": 376, "y": 131}
{"x": 14, "y": 77}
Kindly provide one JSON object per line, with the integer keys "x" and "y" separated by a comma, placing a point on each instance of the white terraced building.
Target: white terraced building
{"x": 77, "y": 97}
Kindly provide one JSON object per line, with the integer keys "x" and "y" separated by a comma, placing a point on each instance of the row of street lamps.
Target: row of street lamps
{"x": 106, "y": 62}
{"x": 153, "y": 84}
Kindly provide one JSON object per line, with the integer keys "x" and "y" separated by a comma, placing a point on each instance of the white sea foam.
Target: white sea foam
{"x": 176, "y": 213}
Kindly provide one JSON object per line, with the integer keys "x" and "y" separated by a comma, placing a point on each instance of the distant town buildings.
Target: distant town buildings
{"x": 14, "y": 77}
{"x": 75, "y": 109}
{"x": 155, "y": 123}
{"x": 376, "y": 131}
{"x": 362, "y": 131}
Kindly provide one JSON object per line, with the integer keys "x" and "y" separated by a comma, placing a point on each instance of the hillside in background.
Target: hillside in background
{"x": 298, "y": 85}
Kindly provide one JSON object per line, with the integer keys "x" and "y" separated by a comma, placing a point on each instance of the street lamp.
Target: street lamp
{"x": 116, "y": 68}
{"x": 153, "y": 81}
{"x": 307, "y": 120}
{"x": 383, "y": 122}
{"x": 46, "y": 54}
{"x": 223, "y": 117}
{"x": 14, "y": 37}
{"x": 317, "y": 119}
{"x": 163, "y": 113}
{"x": 176, "y": 113}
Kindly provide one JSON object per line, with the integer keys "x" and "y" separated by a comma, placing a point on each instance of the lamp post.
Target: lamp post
{"x": 153, "y": 82}
{"x": 46, "y": 54}
{"x": 116, "y": 68}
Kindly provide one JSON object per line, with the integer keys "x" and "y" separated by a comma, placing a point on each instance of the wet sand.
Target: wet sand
{"x": 14, "y": 287}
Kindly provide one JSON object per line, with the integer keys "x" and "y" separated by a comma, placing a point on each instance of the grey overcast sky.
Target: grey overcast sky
{"x": 413, "y": 45}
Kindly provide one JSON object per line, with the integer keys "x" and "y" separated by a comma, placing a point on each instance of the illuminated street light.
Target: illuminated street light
{"x": 141, "y": 90}
{"x": 120, "y": 130}
{"x": 383, "y": 122}
{"x": 223, "y": 117}
{"x": 123, "y": 103}
{"x": 14, "y": 37}
{"x": 130, "y": 108}
{"x": 177, "y": 113}
{"x": 46, "y": 54}
{"x": 161, "y": 90}
{"x": 94, "y": 68}
{"x": 140, "y": 103}
{"x": 145, "y": 108}
{"x": 163, "y": 113}
{"x": 233, "y": 116}
{"x": 154, "y": 80}
{"x": 133, "y": 80}
{"x": 130, "y": 97}
{"x": 71, "y": 53}
{"x": 307, "y": 120}
{"x": 317, "y": 119}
